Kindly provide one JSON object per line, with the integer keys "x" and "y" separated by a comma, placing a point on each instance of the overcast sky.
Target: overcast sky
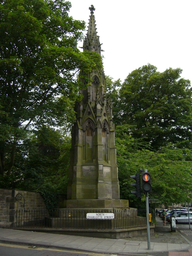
{"x": 134, "y": 33}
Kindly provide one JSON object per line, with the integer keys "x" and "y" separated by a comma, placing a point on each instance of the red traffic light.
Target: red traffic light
{"x": 146, "y": 177}
{"x": 146, "y": 182}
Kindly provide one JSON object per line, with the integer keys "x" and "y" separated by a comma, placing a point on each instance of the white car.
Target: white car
{"x": 184, "y": 217}
{"x": 174, "y": 213}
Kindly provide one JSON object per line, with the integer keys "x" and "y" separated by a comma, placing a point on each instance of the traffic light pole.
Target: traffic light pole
{"x": 147, "y": 215}
{"x": 146, "y": 184}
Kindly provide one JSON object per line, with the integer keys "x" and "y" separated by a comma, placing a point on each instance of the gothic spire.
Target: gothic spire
{"x": 91, "y": 42}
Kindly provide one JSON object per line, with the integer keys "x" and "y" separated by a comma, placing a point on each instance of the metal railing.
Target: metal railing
{"x": 76, "y": 219}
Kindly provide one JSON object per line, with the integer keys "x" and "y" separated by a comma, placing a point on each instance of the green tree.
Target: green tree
{"x": 39, "y": 63}
{"x": 170, "y": 169}
{"x": 157, "y": 106}
{"x": 42, "y": 163}
{"x": 152, "y": 111}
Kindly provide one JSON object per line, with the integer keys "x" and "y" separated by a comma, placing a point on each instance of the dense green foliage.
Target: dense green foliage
{"x": 157, "y": 105}
{"x": 46, "y": 162}
{"x": 153, "y": 112}
{"x": 39, "y": 62}
{"x": 170, "y": 169}
{"x": 46, "y": 165}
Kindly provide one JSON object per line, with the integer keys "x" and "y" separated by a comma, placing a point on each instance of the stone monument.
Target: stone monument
{"x": 93, "y": 176}
{"x": 93, "y": 206}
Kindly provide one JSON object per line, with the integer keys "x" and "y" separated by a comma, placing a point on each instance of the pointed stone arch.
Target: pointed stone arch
{"x": 94, "y": 87}
{"x": 105, "y": 140}
{"x": 88, "y": 138}
{"x": 88, "y": 123}
{"x": 95, "y": 80}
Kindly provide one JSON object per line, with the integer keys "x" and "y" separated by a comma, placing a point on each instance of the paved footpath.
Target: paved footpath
{"x": 99, "y": 245}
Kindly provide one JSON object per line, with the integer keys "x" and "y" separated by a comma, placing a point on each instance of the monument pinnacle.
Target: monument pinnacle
{"x": 91, "y": 42}
{"x": 92, "y": 9}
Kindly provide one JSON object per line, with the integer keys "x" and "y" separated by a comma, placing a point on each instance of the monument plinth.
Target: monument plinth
{"x": 93, "y": 176}
{"x": 97, "y": 203}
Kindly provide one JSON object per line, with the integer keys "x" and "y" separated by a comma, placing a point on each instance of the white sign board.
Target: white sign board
{"x": 100, "y": 216}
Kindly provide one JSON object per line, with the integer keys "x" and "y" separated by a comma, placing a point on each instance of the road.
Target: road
{"x": 21, "y": 250}
{"x": 14, "y": 250}
{"x": 185, "y": 232}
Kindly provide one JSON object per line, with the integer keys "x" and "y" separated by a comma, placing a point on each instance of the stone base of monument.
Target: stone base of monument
{"x": 97, "y": 203}
{"x": 98, "y": 222}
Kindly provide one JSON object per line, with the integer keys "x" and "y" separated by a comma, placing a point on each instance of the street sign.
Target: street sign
{"x": 100, "y": 216}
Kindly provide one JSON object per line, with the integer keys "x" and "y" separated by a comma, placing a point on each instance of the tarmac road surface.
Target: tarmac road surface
{"x": 23, "y": 250}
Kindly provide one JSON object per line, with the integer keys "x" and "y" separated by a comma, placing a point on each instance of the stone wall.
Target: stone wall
{"x": 5, "y": 206}
{"x": 28, "y": 200}
{"x": 14, "y": 203}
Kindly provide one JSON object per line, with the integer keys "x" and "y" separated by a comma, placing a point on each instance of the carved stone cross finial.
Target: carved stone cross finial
{"x": 92, "y": 9}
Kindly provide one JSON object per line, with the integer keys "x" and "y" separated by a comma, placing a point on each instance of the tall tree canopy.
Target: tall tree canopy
{"x": 153, "y": 114}
{"x": 170, "y": 169}
{"x": 157, "y": 106}
{"x": 39, "y": 61}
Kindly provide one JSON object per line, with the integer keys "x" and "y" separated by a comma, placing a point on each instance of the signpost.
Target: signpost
{"x": 146, "y": 184}
{"x": 189, "y": 218}
{"x": 173, "y": 224}
{"x": 147, "y": 215}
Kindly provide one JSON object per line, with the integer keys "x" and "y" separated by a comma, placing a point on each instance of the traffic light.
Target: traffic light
{"x": 137, "y": 185}
{"x": 146, "y": 182}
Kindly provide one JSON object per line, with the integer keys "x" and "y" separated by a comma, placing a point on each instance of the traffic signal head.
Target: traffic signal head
{"x": 146, "y": 182}
{"x": 137, "y": 185}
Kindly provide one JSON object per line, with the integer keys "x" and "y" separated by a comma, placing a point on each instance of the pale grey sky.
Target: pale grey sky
{"x": 137, "y": 32}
